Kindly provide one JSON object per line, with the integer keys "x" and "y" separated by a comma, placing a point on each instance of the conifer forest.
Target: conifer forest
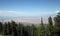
{"x": 14, "y": 29}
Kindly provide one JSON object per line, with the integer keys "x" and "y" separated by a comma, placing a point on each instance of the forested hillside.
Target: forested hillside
{"x": 14, "y": 29}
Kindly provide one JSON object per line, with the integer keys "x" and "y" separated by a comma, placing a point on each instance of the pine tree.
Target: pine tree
{"x": 1, "y": 27}
{"x": 57, "y": 24}
{"x": 5, "y": 29}
{"x": 9, "y": 28}
{"x": 19, "y": 29}
{"x": 50, "y": 26}
{"x": 14, "y": 29}
{"x": 42, "y": 28}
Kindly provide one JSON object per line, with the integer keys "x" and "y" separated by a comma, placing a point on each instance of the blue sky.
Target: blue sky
{"x": 29, "y": 8}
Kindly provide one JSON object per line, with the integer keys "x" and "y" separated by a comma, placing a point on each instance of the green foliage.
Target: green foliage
{"x": 57, "y": 24}
{"x": 41, "y": 29}
{"x": 17, "y": 29}
{"x": 50, "y": 26}
{"x": 1, "y": 27}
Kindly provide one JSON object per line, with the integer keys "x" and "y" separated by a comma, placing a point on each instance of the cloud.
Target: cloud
{"x": 57, "y": 11}
{"x": 25, "y": 14}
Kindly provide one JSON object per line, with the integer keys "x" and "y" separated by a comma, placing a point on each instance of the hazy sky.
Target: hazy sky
{"x": 29, "y": 8}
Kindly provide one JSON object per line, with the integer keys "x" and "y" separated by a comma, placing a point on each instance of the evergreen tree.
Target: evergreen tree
{"x": 34, "y": 30}
{"x": 9, "y": 28}
{"x": 14, "y": 29}
{"x": 19, "y": 29}
{"x": 1, "y": 27}
{"x": 5, "y": 29}
{"x": 42, "y": 29}
{"x": 50, "y": 26}
{"x": 57, "y": 24}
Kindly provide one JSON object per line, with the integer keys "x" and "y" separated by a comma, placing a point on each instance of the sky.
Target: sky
{"x": 29, "y": 8}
